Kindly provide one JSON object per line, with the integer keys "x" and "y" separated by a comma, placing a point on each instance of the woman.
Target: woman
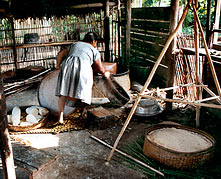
{"x": 75, "y": 78}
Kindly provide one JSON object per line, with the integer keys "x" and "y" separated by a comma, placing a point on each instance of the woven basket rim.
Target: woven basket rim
{"x": 205, "y": 134}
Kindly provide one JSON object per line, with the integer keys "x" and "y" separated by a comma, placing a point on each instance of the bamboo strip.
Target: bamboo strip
{"x": 126, "y": 155}
{"x": 207, "y": 99}
{"x": 184, "y": 102}
{"x": 197, "y": 77}
{"x": 212, "y": 94}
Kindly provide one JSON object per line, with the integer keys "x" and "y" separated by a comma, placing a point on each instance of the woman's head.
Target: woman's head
{"x": 90, "y": 37}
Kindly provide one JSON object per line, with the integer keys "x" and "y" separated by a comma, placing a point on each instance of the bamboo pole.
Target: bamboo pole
{"x": 207, "y": 53}
{"x": 148, "y": 80}
{"x": 211, "y": 93}
{"x": 207, "y": 99}
{"x": 128, "y": 156}
{"x": 197, "y": 78}
{"x": 184, "y": 102}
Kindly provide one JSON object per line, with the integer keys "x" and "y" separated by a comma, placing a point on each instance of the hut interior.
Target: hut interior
{"x": 33, "y": 32}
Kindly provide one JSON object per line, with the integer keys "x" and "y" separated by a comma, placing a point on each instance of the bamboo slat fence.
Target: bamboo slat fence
{"x": 50, "y": 31}
{"x": 185, "y": 68}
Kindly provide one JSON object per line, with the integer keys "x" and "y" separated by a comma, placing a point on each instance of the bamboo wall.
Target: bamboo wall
{"x": 51, "y": 31}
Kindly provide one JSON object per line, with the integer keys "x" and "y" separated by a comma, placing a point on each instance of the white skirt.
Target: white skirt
{"x": 75, "y": 80}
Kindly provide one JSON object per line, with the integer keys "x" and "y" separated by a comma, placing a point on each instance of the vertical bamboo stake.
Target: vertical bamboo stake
{"x": 149, "y": 80}
{"x": 207, "y": 53}
{"x": 197, "y": 77}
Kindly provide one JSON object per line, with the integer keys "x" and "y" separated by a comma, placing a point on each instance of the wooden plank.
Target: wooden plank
{"x": 151, "y": 38}
{"x": 151, "y": 13}
{"x": 149, "y": 48}
{"x": 140, "y": 57}
{"x": 151, "y": 25}
{"x": 163, "y": 35}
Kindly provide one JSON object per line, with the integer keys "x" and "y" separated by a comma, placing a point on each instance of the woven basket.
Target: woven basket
{"x": 175, "y": 159}
{"x": 37, "y": 125}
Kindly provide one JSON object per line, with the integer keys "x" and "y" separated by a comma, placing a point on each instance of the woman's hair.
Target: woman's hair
{"x": 90, "y": 37}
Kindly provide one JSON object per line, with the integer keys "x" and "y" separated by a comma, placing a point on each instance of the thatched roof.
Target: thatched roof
{"x": 21, "y": 9}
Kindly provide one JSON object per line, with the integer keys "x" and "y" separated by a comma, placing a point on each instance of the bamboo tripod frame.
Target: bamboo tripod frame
{"x": 144, "y": 91}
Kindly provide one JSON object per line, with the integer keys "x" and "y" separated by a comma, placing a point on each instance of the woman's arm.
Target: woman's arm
{"x": 63, "y": 53}
{"x": 99, "y": 67}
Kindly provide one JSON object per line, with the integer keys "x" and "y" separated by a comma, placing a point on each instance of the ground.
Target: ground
{"x": 78, "y": 155}
{"x": 75, "y": 154}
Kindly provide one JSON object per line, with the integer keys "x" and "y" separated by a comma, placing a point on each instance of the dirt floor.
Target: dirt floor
{"x": 74, "y": 154}
{"x": 78, "y": 155}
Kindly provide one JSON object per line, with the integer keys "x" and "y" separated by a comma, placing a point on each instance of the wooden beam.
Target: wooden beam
{"x": 118, "y": 26}
{"x": 128, "y": 30}
{"x": 208, "y": 24}
{"x": 171, "y": 49}
{"x": 217, "y": 19}
{"x": 5, "y": 144}
{"x": 107, "y": 31}
{"x": 91, "y": 5}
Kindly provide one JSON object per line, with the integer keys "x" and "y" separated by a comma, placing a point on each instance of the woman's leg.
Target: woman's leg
{"x": 83, "y": 110}
{"x": 61, "y": 104}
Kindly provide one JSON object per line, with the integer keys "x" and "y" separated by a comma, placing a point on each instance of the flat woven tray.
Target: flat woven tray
{"x": 175, "y": 159}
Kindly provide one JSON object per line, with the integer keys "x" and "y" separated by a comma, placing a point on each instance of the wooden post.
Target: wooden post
{"x": 170, "y": 56}
{"x": 217, "y": 19}
{"x": 209, "y": 43}
{"x": 208, "y": 24}
{"x": 119, "y": 29}
{"x": 149, "y": 80}
{"x": 128, "y": 29}
{"x": 107, "y": 31}
{"x": 5, "y": 145}
{"x": 14, "y": 43}
{"x": 197, "y": 70}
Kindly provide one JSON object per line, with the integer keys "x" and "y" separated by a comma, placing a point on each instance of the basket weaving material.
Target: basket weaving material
{"x": 175, "y": 159}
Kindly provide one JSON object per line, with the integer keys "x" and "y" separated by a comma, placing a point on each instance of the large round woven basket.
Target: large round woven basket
{"x": 175, "y": 159}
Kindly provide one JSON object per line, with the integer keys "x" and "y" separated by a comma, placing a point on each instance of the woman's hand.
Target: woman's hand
{"x": 107, "y": 74}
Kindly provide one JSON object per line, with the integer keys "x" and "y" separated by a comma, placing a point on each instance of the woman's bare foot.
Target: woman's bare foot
{"x": 61, "y": 118}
